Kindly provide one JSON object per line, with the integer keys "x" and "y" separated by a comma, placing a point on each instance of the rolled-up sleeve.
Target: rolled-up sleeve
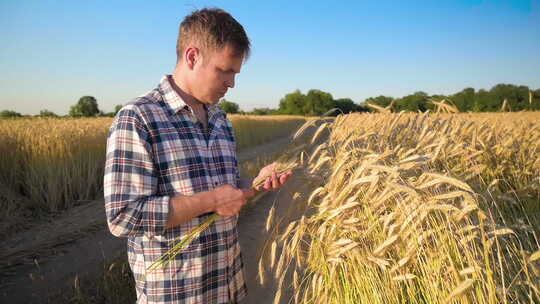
{"x": 132, "y": 205}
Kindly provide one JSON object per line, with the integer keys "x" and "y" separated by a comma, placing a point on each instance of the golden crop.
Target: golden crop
{"x": 50, "y": 164}
{"x": 417, "y": 208}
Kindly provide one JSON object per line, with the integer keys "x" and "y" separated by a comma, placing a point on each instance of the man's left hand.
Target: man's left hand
{"x": 273, "y": 181}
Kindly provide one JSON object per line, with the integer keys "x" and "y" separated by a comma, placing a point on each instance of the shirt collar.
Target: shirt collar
{"x": 177, "y": 103}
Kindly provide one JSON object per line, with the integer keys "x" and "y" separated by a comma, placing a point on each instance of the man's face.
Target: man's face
{"x": 215, "y": 75}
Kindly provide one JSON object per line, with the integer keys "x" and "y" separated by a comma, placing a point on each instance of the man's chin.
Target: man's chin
{"x": 209, "y": 101}
{"x": 214, "y": 102}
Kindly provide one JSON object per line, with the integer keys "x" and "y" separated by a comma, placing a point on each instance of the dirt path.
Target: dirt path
{"x": 50, "y": 255}
{"x": 253, "y": 235}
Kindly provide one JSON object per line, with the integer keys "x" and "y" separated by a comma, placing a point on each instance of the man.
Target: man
{"x": 171, "y": 162}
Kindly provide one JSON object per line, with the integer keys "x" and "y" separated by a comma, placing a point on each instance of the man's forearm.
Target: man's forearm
{"x": 184, "y": 208}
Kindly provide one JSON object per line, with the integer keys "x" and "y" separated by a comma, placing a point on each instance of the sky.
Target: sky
{"x": 54, "y": 52}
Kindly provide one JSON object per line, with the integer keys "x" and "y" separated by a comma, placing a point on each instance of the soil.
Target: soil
{"x": 50, "y": 255}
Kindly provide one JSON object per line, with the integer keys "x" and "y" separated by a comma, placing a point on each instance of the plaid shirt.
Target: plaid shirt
{"x": 156, "y": 149}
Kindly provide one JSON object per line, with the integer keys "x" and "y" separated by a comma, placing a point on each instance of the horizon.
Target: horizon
{"x": 56, "y": 53}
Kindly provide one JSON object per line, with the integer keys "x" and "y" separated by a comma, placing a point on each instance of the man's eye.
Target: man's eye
{"x": 225, "y": 71}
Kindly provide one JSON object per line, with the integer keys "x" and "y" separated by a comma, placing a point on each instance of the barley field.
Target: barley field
{"x": 51, "y": 164}
{"x": 414, "y": 208}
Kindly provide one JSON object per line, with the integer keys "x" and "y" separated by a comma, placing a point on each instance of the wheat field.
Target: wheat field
{"x": 51, "y": 164}
{"x": 414, "y": 208}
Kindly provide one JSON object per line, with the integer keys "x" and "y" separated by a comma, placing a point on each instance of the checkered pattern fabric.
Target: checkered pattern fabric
{"x": 157, "y": 149}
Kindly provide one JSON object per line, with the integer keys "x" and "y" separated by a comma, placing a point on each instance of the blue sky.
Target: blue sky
{"x": 54, "y": 52}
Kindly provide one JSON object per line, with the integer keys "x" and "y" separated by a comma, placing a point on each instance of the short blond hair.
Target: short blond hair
{"x": 212, "y": 29}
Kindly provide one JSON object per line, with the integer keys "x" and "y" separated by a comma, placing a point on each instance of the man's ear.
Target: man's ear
{"x": 192, "y": 55}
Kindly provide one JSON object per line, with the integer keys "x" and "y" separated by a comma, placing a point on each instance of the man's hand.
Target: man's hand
{"x": 228, "y": 200}
{"x": 273, "y": 181}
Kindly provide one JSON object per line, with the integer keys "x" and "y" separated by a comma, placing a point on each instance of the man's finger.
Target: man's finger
{"x": 267, "y": 184}
{"x": 275, "y": 182}
{"x": 283, "y": 178}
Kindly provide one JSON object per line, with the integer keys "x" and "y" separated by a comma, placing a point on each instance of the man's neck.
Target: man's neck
{"x": 198, "y": 108}
{"x": 186, "y": 97}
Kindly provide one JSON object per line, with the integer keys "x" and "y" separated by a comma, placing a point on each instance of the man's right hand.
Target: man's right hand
{"x": 224, "y": 200}
{"x": 228, "y": 200}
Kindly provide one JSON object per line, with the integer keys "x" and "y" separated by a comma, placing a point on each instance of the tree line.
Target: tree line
{"x": 87, "y": 106}
{"x": 314, "y": 103}
{"x": 501, "y": 97}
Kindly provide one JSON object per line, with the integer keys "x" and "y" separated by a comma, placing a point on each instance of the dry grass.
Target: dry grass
{"x": 419, "y": 208}
{"x": 113, "y": 284}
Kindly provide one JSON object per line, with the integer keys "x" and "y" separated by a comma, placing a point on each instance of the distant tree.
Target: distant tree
{"x": 314, "y": 103}
{"x": 86, "y": 107}
{"x": 346, "y": 105}
{"x": 383, "y": 101}
{"x": 292, "y": 103}
{"x": 483, "y": 102}
{"x": 517, "y": 96}
{"x": 262, "y": 111}
{"x": 117, "y": 109}
{"x": 535, "y": 102}
{"x": 363, "y": 108}
{"x": 229, "y": 106}
{"x": 9, "y": 114}
{"x": 464, "y": 100}
{"x": 413, "y": 103}
{"x": 437, "y": 97}
{"x": 47, "y": 113}
{"x": 317, "y": 102}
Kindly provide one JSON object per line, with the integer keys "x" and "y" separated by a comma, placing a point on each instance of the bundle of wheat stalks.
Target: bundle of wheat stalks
{"x": 281, "y": 166}
{"x": 417, "y": 208}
